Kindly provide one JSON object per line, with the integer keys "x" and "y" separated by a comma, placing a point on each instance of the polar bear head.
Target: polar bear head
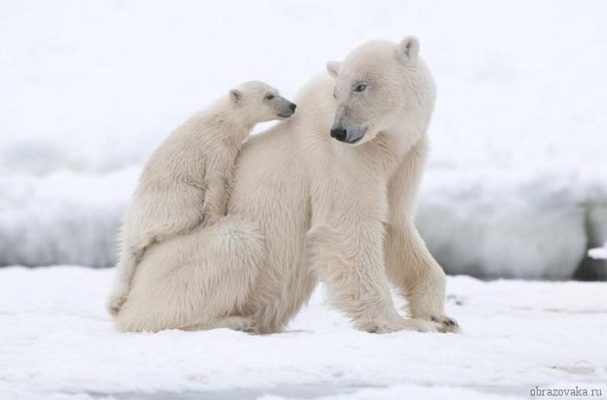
{"x": 259, "y": 102}
{"x": 382, "y": 87}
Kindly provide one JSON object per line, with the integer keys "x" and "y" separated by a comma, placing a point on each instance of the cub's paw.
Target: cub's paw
{"x": 448, "y": 324}
{"x": 211, "y": 219}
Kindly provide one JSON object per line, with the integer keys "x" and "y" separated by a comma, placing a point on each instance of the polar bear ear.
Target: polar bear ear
{"x": 408, "y": 48}
{"x": 235, "y": 96}
{"x": 333, "y": 68}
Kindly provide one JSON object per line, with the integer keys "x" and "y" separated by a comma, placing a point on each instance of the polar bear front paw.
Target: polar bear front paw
{"x": 448, "y": 324}
{"x": 400, "y": 324}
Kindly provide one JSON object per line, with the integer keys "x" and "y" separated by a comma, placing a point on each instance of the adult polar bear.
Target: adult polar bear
{"x": 306, "y": 206}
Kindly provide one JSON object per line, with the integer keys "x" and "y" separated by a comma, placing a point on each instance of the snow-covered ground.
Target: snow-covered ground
{"x": 56, "y": 342}
{"x": 87, "y": 89}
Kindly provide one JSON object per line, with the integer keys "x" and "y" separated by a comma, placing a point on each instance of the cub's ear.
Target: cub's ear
{"x": 235, "y": 96}
{"x": 333, "y": 68}
{"x": 408, "y": 49}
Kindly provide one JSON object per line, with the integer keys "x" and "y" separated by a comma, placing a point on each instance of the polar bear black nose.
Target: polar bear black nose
{"x": 339, "y": 134}
{"x": 293, "y": 106}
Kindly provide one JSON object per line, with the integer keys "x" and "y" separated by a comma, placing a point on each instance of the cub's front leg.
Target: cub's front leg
{"x": 215, "y": 200}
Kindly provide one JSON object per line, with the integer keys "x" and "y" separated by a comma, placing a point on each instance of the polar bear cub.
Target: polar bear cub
{"x": 185, "y": 182}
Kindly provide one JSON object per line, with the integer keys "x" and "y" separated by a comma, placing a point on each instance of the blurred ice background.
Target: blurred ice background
{"x": 517, "y": 179}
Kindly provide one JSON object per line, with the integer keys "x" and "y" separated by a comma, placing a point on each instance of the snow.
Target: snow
{"x": 503, "y": 225}
{"x": 57, "y": 340}
{"x": 88, "y": 89}
{"x": 599, "y": 253}
{"x": 63, "y": 216}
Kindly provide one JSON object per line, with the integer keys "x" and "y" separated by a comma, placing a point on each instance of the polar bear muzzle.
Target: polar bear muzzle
{"x": 350, "y": 135}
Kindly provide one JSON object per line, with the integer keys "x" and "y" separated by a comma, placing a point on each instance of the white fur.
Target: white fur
{"x": 185, "y": 182}
{"x": 307, "y": 207}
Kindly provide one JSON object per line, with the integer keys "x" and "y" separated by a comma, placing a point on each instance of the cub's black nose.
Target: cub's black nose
{"x": 293, "y": 106}
{"x": 339, "y": 134}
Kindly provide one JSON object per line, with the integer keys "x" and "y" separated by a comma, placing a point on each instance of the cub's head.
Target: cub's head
{"x": 260, "y": 102}
{"x": 378, "y": 86}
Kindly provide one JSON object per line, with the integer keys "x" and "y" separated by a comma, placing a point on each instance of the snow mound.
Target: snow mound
{"x": 499, "y": 224}
{"x": 63, "y": 217}
{"x": 599, "y": 253}
{"x": 488, "y": 224}
{"x": 56, "y": 340}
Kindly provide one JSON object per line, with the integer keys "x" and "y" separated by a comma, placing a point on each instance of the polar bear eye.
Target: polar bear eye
{"x": 269, "y": 96}
{"x": 360, "y": 87}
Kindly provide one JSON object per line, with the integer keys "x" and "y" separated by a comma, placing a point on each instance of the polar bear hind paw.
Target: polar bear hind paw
{"x": 115, "y": 304}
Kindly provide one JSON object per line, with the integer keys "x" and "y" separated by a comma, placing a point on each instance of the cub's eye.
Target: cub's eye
{"x": 269, "y": 96}
{"x": 360, "y": 88}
